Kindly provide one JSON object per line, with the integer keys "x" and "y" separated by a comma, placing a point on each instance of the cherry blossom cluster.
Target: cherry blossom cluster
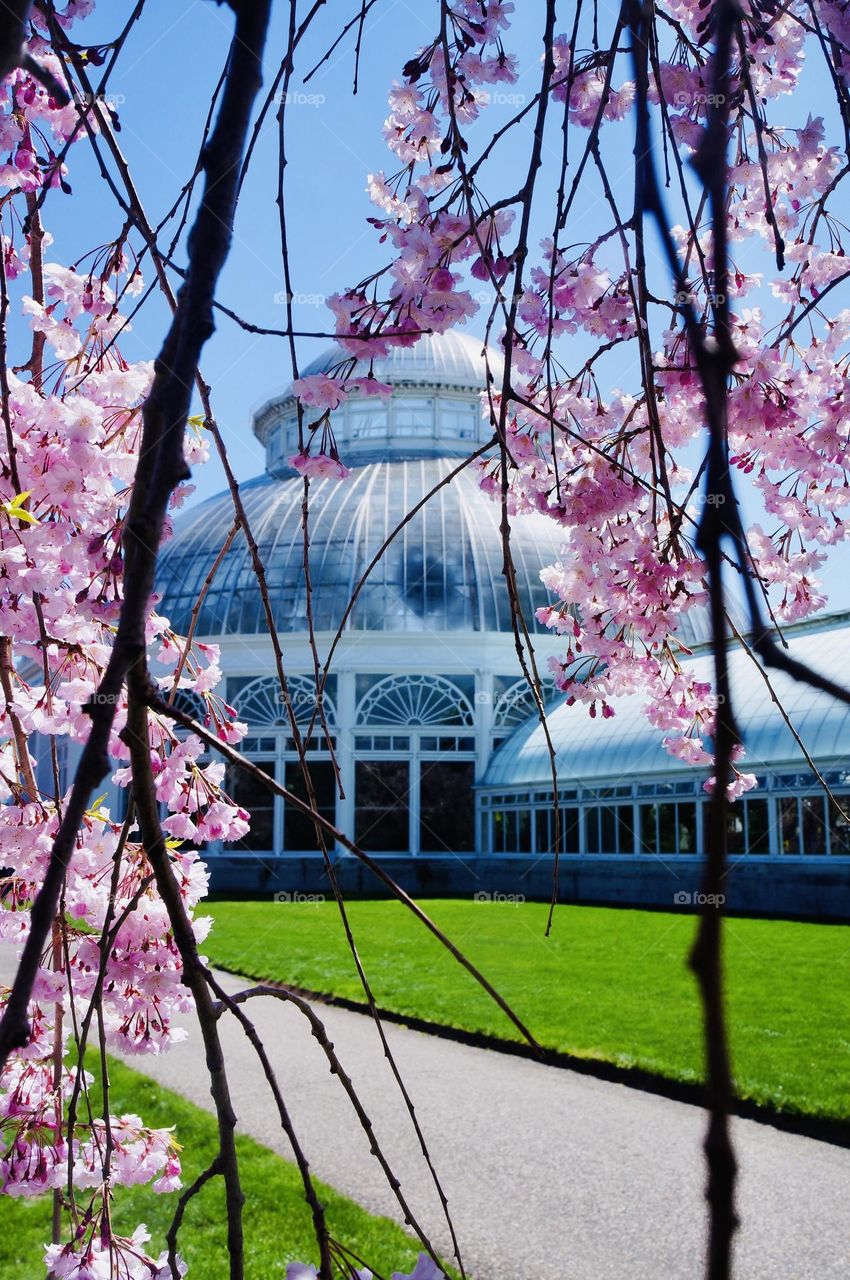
{"x": 69, "y": 445}
{"x": 602, "y": 424}
{"x": 425, "y": 1269}
{"x": 112, "y": 972}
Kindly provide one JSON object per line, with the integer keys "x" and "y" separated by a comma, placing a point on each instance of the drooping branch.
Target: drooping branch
{"x": 233, "y": 1004}
{"x": 161, "y": 468}
{"x": 136, "y": 735}
{"x": 715, "y": 360}
{"x": 14, "y": 28}
{"x": 163, "y": 708}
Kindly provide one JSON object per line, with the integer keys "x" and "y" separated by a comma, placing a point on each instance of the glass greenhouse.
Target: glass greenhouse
{"x": 426, "y": 715}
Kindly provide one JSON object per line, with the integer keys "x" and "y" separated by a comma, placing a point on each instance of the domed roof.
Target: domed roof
{"x": 453, "y": 359}
{"x": 442, "y": 572}
{"x": 627, "y": 746}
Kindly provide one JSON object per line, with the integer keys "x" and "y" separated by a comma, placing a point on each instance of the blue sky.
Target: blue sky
{"x": 162, "y": 88}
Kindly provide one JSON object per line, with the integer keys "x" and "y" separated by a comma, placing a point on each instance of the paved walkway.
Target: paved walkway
{"x": 550, "y": 1175}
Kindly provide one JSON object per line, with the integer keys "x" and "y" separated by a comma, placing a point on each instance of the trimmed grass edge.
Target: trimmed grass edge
{"x": 822, "y": 1129}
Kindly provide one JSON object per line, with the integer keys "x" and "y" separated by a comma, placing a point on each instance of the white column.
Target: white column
{"x": 413, "y": 798}
{"x": 484, "y": 695}
{"x": 346, "y": 698}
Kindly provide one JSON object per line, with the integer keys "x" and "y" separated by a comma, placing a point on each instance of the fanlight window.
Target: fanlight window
{"x": 412, "y": 701}
{"x": 262, "y": 704}
{"x": 190, "y": 703}
{"x": 517, "y": 704}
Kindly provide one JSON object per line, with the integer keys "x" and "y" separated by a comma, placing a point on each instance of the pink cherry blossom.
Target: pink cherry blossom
{"x": 319, "y": 465}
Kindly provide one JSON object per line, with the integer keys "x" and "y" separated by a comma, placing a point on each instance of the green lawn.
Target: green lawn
{"x": 278, "y": 1227}
{"x": 608, "y": 984}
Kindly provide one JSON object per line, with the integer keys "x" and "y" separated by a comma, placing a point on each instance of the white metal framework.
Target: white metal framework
{"x": 264, "y": 705}
{"x": 429, "y": 743}
{"x": 787, "y": 815}
{"x": 415, "y": 702}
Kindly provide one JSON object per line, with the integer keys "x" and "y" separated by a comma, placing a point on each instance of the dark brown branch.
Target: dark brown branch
{"x": 212, "y": 1170}
{"x": 714, "y": 364}
{"x": 161, "y": 707}
{"x": 161, "y": 468}
{"x": 232, "y": 1003}
{"x": 137, "y": 737}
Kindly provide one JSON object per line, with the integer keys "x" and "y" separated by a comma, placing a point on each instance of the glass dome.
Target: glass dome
{"x": 441, "y": 573}
{"x": 435, "y": 409}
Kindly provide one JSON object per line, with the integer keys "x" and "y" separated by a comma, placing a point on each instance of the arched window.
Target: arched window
{"x": 413, "y": 702}
{"x": 263, "y": 705}
{"x": 275, "y": 825}
{"x": 413, "y": 786}
{"x": 517, "y": 704}
{"x": 190, "y": 703}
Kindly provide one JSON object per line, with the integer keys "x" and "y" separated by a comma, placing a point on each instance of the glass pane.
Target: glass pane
{"x": 591, "y": 830}
{"x": 758, "y": 824}
{"x": 687, "y": 827}
{"x": 608, "y": 821}
{"x": 413, "y": 415}
{"x": 735, "y": 832}
{"x": 625, "y": 829}
{"x": 381, "y": 791}
{"x": 524, "y": 831}
{"x": 789, "y": 824}
{"x": 498, "y": 831}
{"x": 299, "y": 830}
{"x": 814, "y": 827}
{"x": 249, "y": 793}
{"x": 446, "y": 806}
{"x": 648, "y": 837}
{"x": 667, "y": 828}
{"x": 735, "y": 842}
{"x": 839, "y": 827}
{"x": 570, "y": 830}
{"x": 543, "y": 830}
{"x": 366, "y": 419}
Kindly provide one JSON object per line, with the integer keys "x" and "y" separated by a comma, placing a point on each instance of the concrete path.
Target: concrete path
{"x": 550, "y": 1175}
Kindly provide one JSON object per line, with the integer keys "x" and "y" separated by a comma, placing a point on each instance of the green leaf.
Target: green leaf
{"x": 15, "y": 509}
